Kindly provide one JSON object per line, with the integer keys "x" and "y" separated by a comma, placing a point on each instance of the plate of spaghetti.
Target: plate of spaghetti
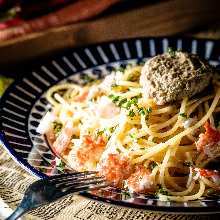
{"x": 143, "y": 112}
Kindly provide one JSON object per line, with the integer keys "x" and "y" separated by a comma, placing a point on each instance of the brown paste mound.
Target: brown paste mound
{"x": 173, "y": 76}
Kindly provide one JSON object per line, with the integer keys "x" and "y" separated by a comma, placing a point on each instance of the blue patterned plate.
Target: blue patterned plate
{"x": 23, "y": 105}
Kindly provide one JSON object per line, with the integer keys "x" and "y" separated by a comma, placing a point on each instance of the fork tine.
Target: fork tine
{"x": 84, "y": 189}
{"x": 78, "y": 184}
{"x": 77, "y": 174}
{"x": 74, "y": 180}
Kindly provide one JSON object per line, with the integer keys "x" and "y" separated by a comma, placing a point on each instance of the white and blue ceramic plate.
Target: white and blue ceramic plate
{"x": 23, "y": 105}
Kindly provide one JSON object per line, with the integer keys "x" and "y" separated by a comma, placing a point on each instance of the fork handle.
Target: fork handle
{"x": 17, "y": 213}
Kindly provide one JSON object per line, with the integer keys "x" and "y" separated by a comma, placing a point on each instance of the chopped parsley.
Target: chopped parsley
{"x": 123, "y": 184}
{"x": 93, "y": 100}
{"x": 149, "y": 110}
{"x": 141, "y": 111}
{"x": 187, "y": 164}
{"x": 61, "y": 165}
{"x": 184, "y": 115}
{"x": 179, "y": 50}
{"x": 100, "y": 132}
{"x": 86, "y": 77}
{"x": 142, "y": 148}
{"x": 126, "y": 193}
{"x": 112, "y": 129}
{"x": 57, "y": 127}
{"x": 163, "y": 192}
{"x": 201, "y": 70}
{"x": 135, "y": 139}
{"x": 134, "y": 101}
{"x": 131, "y": 113}
{"x": 120, "y": 101}
{"x": 117, "y": 100}
{"x": 152, "y": 166}
{"x": 121, "y": 69}
{"x": 113, "y": 86}
{"x": 171, "y": 52}
{"x": 146, "y": 117}
{"x": 102, "y": 193}
{"x": 80, "y": 121}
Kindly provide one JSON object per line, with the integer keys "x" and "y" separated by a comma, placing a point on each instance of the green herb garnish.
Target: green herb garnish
{"x": 152, "y": 166}
{"x": 134, "y": 101}
{"x": 57, "y": 127}
{"x": 135, "y": 139}
{"x": 117, "y": 100}
{"x": 93, "y": 100}
{"x": 201, "y": 70}
{"x": 61, "y": 165}
{"x": 112, "y": 129}
{"x": 184, "y": 115}
{"x": 163, "y": 192}
{"x": 171, "y": 52}
{"x": 100, "y": 132}
{"x": 86, "y": 77}
{"x": 141, "y": 111}
{"x": 126, "y": 193}
{"x": 131, "y": 113}
{"x": 149, "y": 110}
{"x": 102, "y": 193}
{"x": 187, "y": 164}
{"x": 113, "y": 86}
{"x": 123, "y": 184}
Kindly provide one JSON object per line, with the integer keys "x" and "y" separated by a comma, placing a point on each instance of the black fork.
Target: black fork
{"x": 49, "y": 189}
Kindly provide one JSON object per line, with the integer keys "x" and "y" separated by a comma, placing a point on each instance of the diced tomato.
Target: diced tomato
{"x": 114, "y": 167}
{"x": 139, "y": 180}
